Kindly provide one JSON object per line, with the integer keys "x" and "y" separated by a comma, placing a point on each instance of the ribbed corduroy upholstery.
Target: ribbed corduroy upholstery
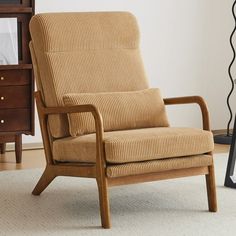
{"x": 94, "y": 58}
{"x": 119, "y": 110}
{"x": 158, "y": 165}
{"x": 85, "y": 52}
{"x": 136, "y": 145}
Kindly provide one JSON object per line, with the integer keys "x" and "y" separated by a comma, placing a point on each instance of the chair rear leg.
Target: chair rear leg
{"x": 46, "y": 178}
{"x": 211, "y": 189}
{"x": 104, "y": 203}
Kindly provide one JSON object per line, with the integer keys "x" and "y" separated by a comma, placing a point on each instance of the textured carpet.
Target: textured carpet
{"x": 69, "y": 206}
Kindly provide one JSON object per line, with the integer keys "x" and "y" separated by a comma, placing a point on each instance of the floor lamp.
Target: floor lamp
{"x": 230, "y": 178}
{"x": 227, "y": 138}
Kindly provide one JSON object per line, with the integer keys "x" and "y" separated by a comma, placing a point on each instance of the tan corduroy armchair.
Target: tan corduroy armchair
{"x": 99, "y": 119}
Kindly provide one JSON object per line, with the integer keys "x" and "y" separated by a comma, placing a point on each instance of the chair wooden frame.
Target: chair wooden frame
{"x": 98, "y": 170}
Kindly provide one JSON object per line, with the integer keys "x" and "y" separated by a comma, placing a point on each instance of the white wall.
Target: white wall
{"x": 185, "y": 49}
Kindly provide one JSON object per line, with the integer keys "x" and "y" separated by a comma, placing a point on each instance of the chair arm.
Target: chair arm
{"x": 192, "y": 99}
{"x": 44, "y": 112}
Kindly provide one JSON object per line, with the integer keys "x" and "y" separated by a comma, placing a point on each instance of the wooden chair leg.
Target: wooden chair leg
{"x": 211, "y": 189}
{"x": 104, "y": 203}
{"x": 44, "y": 181}
{"x": 18, "y": 148}
{"x": 2, "y": 148}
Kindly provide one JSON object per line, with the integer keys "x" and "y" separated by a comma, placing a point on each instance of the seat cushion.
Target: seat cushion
{"x": 144, "y": 167}
{"x": 136, "y": 145}
{"x": 119, "y": 110}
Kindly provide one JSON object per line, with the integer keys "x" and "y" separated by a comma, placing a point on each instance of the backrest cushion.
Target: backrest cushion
{"x": 119, "y": 110}
{"x": 85, "y": 53}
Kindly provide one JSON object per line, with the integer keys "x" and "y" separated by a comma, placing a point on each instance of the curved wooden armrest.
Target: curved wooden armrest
{"x": 192, "y": 99}
{"x": 44, "y": 112}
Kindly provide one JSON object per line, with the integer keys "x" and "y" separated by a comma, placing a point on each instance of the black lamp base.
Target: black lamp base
{"x": 223, "y": 139}
{"x": 230, "y": 181}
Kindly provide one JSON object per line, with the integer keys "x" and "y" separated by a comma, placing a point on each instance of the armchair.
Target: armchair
{"x": 89, "y": 73}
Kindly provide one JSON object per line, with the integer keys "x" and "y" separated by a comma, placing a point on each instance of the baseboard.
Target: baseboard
{"x": 221, "y": 131}
{"x": 25, "y": 146}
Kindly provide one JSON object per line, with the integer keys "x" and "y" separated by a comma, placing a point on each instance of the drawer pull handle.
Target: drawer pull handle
{"x": 2, "y": 98}
{"x": 2, "y": 121}
{"x": 2, "y": 78}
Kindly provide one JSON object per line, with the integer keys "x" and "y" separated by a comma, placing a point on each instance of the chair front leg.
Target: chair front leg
{"x": 211, "y": 189}
{"x": 104, "y": 202}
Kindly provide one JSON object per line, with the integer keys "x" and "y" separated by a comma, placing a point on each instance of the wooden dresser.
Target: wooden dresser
{"x": 16, "y": 81}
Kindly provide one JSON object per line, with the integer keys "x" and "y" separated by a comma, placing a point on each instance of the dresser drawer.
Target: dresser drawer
{"x": 15, "y": 77}
{"x": 15, "y": 97}
{"x": 14, "y": 120}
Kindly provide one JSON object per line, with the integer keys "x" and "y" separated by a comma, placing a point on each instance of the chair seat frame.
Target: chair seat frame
{"x": 98, "y": 170}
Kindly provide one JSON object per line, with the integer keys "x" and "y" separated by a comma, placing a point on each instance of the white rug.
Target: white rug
{"x": 69, "y": 206}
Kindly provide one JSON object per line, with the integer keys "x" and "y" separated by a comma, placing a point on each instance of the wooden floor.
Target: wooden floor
{"x": 35, "y": 158}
